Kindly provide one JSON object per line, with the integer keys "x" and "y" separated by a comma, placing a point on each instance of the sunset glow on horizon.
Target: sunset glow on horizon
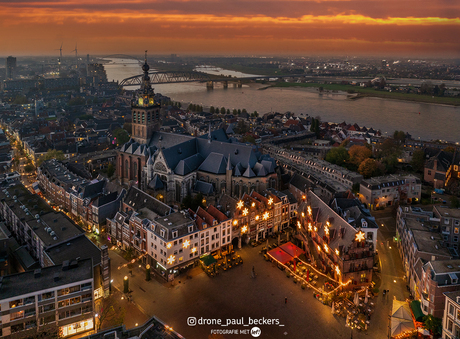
{"x": 232, "y": 27}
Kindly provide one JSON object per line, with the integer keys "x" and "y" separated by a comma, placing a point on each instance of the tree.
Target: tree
{"x": 111, "y": 313}
{"x": 235, "y": 112}
{"x": 20, "y": 100}
{"x": 110, "y": 170}
{"x": 222, "y": 110}
{"x": 248, "y": 138}
{"x": 432, "y": 324}
{"x": 338, "y": 156}
{"x": 211, "y": 109}
{"x": 241, "y": 127}
{"x": 368, "y": 168}
{"x": 399, "y": 137}
{"x": 51, "y": 154}
{"x": 255, "y": 114}
{"x": 454, "y": 202}
{"x": 120, "y": 135}
{"x": 244, "y": 111}
{"x": 228, "y": 111}
{"x": 128, "y": 127}
{"x": 29, "y": 168}
{"x": 358, "y": 154}
{"x": 449, "y": 149}
{"x": 418, "y": 160}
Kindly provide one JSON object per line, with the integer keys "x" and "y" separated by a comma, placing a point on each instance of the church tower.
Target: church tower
{"x": 144, "y": 110}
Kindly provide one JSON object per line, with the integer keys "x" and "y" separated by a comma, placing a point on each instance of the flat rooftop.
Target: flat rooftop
{"x": 25, "y": 283}
{"x": 448, "y": 212}
{"x": 173, "y": 220}
{"x": 430, "y": 242}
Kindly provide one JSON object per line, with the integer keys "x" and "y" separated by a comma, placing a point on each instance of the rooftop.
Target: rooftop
{"x": 24, "y": 283}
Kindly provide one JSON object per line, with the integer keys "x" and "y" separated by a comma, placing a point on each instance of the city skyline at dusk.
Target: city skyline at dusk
{"x": 356, "y": 27}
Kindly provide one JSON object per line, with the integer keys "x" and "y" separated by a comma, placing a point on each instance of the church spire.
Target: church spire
{"x": 209, "y": 133}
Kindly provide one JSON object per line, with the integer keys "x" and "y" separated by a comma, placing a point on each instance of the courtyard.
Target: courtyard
{"x": 235, "y": 297}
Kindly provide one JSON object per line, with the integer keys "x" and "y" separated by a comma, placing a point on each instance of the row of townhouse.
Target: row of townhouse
{"x": 390, "y": 189}
{"x": 48, "y": 237}
{"x": 91, "y": 201}
{"x": 429, "y": 257}
{"x": 169, "y": 241}
{"x": 317, "y": 166}
{"x": 47, "y": 301}
{"x": 341, "y": 250}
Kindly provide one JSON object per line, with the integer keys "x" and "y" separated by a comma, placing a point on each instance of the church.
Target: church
{"x": 171, "y": 166}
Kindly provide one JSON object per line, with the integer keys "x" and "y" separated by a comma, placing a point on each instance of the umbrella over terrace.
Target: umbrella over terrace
{"x": 292, "y": 249}
{"x": 280, "y": 255}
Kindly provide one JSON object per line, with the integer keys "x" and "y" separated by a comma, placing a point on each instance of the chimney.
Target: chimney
{"x": 56, "y": 277}
{"x": 37, "y": 273}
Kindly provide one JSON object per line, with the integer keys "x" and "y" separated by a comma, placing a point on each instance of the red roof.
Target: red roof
{"x": 218, "y": 215}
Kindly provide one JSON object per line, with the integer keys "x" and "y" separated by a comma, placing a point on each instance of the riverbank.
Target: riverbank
{"x": 361, "y": 92}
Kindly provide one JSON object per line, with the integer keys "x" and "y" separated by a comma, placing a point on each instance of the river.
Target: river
{"x": 421, "y": 120}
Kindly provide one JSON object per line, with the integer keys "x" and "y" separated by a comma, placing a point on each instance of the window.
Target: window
{"x": 449, "y": 325}
{"x": 451, "y": 309}
{"x": 86, "y": 286}
{"x": 16, "y": 303}
{"x": 46, "y": 308}
{"x": 46, "y": 296}
{"x": 190, "y": 229}
{"x": 455, "y": 238}
{"x": 456, "y": 230}
{"x": 69, "y": 290}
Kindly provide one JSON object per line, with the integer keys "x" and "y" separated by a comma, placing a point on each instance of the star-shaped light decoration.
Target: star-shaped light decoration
{"x": 240, "y": 204}
{"x": 309, "y": 210}
{"x": 186, "y": 243}
{"x": 309, "y": 226}
{"x": 326, "y": 230}
{"x": 337, "y": 251}
{"x": 303, "y": 215}
{"x": 266, "y": 215}
{"x": 168, "y": 245}
{"x": 235, "y": 222}
{"x": 171, "y": 259}
{"x": 315, "y": 229}
{"x": 245, "y": 211}
{"x": 270, "y": 201}
{"x": 337, "y": 269}
{"x": 244, "y": 229}
{"x": 194, "y": 250}
{"x": 359, "y": 236}
{"x": 319, "y": 248}
{"x": 299, "y": 225}
{"x": 257, "y": 217}
{"x": 326, "y": 249}
{"x": 253, "y": 204}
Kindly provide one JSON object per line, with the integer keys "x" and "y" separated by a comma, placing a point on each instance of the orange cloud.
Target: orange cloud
{"x": 39, "y": 26}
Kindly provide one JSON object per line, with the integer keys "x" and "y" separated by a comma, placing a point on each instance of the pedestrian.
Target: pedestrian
{"x": 285, "y": 300}
{"x": 388, "y": 291}
{"x": 384, "y": 292}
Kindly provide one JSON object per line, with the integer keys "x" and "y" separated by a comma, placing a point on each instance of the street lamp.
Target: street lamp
{"x": 125, "y": 284}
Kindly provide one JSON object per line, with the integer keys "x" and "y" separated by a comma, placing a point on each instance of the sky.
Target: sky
{"x": 231, "y": 27}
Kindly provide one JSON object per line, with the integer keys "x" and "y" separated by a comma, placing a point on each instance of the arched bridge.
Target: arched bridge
{"x": 167, "y": 78}
{"x": 193, "y": 76}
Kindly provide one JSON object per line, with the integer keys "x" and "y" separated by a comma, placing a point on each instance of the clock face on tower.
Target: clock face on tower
{"x": 141, "y": 102}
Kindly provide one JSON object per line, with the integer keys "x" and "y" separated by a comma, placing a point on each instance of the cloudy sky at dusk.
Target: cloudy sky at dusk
{"x": 406, "y": 27}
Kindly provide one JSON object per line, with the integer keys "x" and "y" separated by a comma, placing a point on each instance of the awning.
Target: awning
{"x": 416, "y": 310}
{"x": 280, "y": 255}
{"x": 292, "y": 249}
{"x": 208, "y": 260}
{"x": 399, "y": 326}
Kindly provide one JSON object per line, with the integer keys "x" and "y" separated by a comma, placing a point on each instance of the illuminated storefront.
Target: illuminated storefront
{"x": 81, "y": 326}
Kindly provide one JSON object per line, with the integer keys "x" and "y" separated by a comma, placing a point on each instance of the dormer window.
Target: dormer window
{"x": 162, "y": 233}
{"x": 190, "y": 229}
{"x": 174, "y": 234}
